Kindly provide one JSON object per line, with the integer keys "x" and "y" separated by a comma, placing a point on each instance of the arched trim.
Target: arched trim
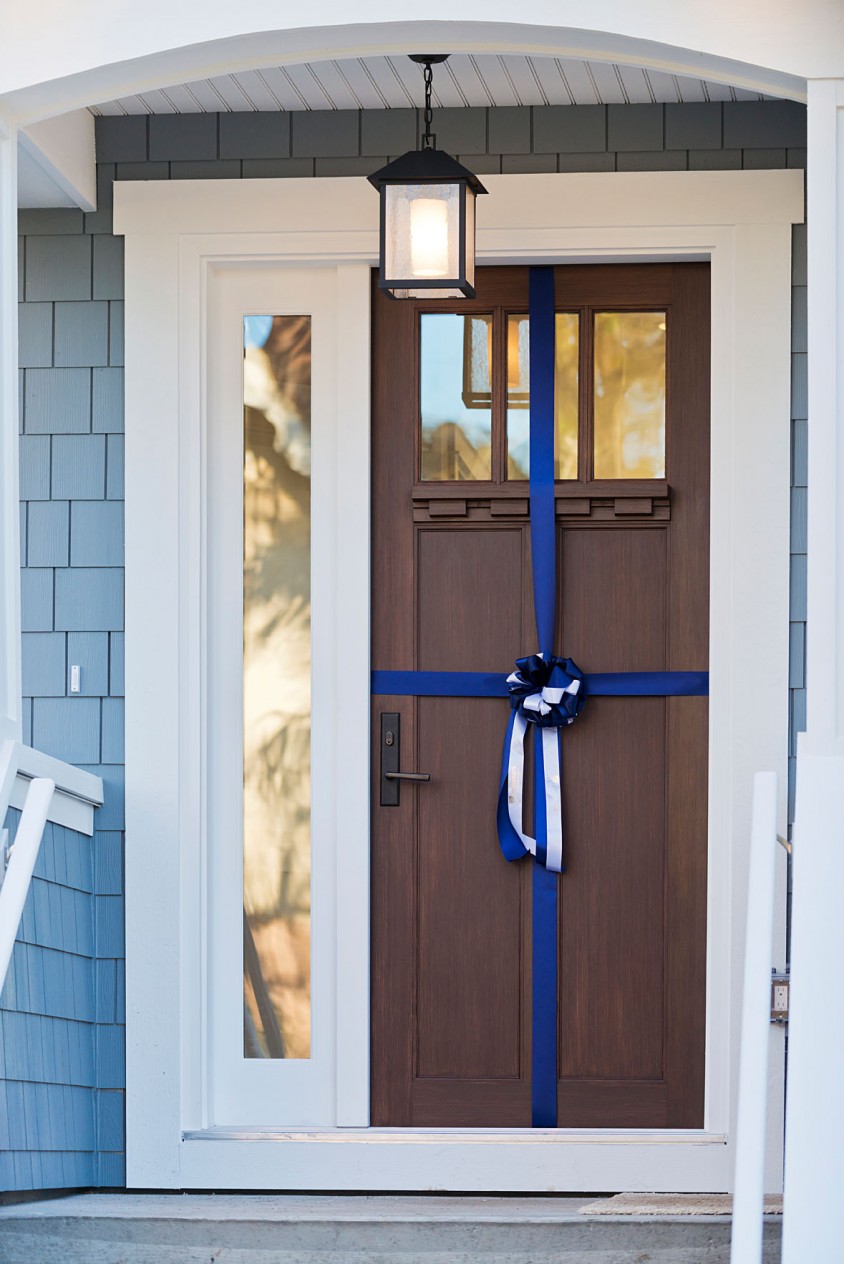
{"x": 259, "y": 49}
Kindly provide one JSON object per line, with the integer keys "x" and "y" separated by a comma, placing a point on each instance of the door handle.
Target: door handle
{"x": 391, "y": 774}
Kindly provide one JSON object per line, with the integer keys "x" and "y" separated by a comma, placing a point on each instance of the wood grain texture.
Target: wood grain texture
{"x": 452, "y": 591}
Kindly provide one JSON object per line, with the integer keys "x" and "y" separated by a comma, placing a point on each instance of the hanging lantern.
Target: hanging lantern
{"x": 427, "y": 247}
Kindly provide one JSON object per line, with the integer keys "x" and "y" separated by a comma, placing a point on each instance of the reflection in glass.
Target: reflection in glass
{"x": 456, "y": 396}
{"x": 630, "y": 394}
{"x": 565, "y": 395}
{"x": 276, "y": 686}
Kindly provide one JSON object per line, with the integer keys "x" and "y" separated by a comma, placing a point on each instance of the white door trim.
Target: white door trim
{"x": 175, "y": 234}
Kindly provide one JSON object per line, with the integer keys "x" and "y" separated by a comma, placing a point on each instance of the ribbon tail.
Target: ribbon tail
{"x": 540, "y": 822}
{"x": 544, "y": 950}
{"x": 513, "y": 843}
{"x": 551, "y": 760}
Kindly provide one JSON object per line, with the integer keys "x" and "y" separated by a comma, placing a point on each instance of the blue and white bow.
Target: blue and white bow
{"x": 549, "y": 693}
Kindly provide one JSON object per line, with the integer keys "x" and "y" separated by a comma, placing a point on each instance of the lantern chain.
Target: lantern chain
{"x": 428, "y": 138}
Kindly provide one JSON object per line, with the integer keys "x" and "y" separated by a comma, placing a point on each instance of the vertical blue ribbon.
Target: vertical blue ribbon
{"x": 543, "y": 545}
{"x": 542, "y": 513}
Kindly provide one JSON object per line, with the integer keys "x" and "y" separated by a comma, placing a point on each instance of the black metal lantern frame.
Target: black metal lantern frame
{"x": 407, "y": 180}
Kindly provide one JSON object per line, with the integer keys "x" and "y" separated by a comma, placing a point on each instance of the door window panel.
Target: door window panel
{"x": 456, "y": 397}
{"x": 567, "y": 352}
{"x": 276, "y": 687}
{"x": 629, "y": 394}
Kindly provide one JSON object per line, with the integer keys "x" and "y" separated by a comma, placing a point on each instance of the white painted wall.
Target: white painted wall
{"x": 10, "y": 615}
{"x": 97, "y": 57}
{"x": 814, "y": 1154}
{"x": 62, "y": 150}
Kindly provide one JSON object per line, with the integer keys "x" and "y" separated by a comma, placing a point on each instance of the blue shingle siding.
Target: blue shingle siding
{"x": 61, "y": 1015}
{"x": 81, "y": 333}
{"x": 107, "y": 400}
{"x": 97, "y": 533}
{"x": 34, "y": 467}
{"x": 35, "y": 335}
{"x": 89, "y": 597}
{"x": 57, "y": 401}
{"x": 60, "y": 1046}
{"x": 62, "y": 1052}
{"x": 43, "y": 664}
{"x": 48, "y": 533}
{"x": 79, "y": 467}
{"x": 89, "y": 652}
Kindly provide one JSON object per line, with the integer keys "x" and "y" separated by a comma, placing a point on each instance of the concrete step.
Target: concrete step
{"x": 377, "y": 1229}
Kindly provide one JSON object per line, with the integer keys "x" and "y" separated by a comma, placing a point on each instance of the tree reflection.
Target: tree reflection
{"x": 630, "y": 394}
{"x": 276, "y": 686}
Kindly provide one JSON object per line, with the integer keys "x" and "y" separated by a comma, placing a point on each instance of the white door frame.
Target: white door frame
{"x": 176, "y": 236}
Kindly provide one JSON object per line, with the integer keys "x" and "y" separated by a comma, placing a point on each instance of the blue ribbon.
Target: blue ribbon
{"x": 451, "y": 684}
{"x": 546, "y": 694}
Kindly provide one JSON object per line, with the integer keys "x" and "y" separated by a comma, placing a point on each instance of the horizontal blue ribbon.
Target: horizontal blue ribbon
{"x": 643, "y": 684}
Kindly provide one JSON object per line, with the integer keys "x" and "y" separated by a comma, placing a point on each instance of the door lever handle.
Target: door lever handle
{"x": 391, "y": 774}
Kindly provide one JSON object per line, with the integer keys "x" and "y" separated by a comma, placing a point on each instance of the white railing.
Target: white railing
{"x": 45, "y": 789}
{"x": 751, "y": 1126}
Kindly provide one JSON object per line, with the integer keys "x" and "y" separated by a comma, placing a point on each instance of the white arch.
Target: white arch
{"x": 56, "y": 57}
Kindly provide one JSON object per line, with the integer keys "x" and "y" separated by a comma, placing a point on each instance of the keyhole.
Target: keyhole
{"x": 389, "y": 738}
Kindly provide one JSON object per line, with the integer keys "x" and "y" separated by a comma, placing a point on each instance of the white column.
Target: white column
{"x": 10, "y": 704}
{"x": 814, "y": 1227}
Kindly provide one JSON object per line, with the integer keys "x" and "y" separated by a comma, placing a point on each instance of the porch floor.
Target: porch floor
{"x": 372, "y": 1229}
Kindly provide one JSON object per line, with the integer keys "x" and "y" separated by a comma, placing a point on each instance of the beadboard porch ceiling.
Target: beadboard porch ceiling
{"x": 394, "y": 82}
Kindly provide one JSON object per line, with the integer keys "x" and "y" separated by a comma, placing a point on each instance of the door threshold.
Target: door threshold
{"x": 460, "y": 1136}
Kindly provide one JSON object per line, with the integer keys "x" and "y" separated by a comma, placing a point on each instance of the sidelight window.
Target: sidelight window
{"x": 276, "y": 686}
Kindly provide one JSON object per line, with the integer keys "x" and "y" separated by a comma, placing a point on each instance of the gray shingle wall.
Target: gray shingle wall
{"x": 61, "y": 1019}
{"x": 71, "y": 353}
{"x": 499, "y": 139}
{"x": 71, "y": 314}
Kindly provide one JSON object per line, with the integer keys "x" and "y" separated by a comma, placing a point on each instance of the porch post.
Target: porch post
{"x": 813, "y": 1227}
{"x": 10, "y": 692}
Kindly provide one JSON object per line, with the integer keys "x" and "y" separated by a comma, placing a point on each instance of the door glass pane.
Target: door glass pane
{"x": 630, "y": 394}
{"x": 565, "y": 395}
{"x": 456, "y": 396}
{"x": 276, "y": 686}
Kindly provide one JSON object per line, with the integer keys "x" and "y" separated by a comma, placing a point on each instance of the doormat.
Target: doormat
{"x": 672, "y": 1205}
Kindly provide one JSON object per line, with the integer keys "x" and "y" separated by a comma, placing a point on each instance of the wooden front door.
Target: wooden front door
{"x": 451, "y": 987}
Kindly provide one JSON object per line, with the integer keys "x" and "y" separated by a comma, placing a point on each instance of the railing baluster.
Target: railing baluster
{"x": 22, "y": 860}
{"x": 751, "y": 1125}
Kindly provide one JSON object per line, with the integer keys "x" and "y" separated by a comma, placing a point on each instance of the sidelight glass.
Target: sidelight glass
{"x": 567, "y": 352}
{"x": 456, "y": 396}
{"x": 276, "y": 687}
{"x": 630, "y": 394}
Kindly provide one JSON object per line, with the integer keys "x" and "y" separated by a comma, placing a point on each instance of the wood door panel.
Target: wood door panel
{"x": 585, "y": 1103}
{"x": 469, "y": 987}
{"x": 612, "y": 894}
{"x": 465, "y": 622}
{"x": 606, "y": 622}
{"x": 451, "y": 1002}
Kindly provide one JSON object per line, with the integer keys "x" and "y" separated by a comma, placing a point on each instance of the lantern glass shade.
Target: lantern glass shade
{"x": 428, "y": 240}
{"x": 422, "y": 227}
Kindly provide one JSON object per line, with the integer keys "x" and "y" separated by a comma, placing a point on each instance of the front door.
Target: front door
{"x": 451, "y": 919}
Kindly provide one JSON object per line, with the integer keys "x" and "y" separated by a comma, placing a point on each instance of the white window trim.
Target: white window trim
{"x": 10, "y": 554}
{"x": 174, "y": 233}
